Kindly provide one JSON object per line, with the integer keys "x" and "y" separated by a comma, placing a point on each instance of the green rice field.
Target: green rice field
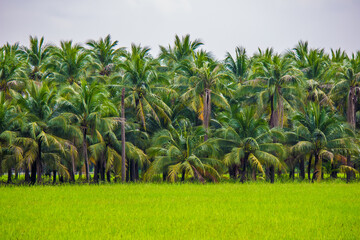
{"x": 181, "y": 211}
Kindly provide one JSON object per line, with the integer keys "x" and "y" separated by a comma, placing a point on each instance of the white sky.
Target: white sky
{"x": 221, "y": 25}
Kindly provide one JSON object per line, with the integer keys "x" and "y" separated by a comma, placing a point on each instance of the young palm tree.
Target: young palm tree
{"x": 10, "y": 154}
{"x": 181, "y": 150}
{"x": 108, "y": 154}
{"x": 38, "y": 121}
{"x": 321, "y": 134}
{"x": 251, "y": 142}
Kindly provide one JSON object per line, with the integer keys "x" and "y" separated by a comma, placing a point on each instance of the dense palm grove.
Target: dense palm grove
{"x": 100, "y": 112}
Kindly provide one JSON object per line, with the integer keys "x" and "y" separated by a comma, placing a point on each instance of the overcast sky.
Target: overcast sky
{"x": 221, "y": 25}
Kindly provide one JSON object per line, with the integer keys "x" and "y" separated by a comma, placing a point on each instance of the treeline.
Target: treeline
{"x": 125, "y": 115}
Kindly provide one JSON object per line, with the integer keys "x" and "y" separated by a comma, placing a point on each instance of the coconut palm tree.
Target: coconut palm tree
{"x": 277, "y": 76}
{"x": 105, "y": 55}
{"x": 108, "y": 155}
{"x": 321, "y": 134}
{"x": 38, "y": 121}
{"x": 10, "y": 154}
{"x": 12, "y": 75}
{"x": 181, "y": 150}
{"x": 206, "y": 83}
{"x": 315, "y": 66}
{"x": 89, "y": 107}
{"x": 37, "y": 56}
{"x": 183, "y": 49}
{"x": 251, "y": 141}
{"x": 69, "y": 62}
{"x": 139, "y": 80}
{"x": 348, "y": 84}
{"x": 239, "y": 66}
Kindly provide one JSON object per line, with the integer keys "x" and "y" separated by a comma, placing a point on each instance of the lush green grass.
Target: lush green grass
{"x": 188, "y": 211}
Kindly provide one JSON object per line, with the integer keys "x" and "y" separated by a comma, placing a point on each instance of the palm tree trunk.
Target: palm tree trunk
{"x": 165, "y": 173}
{"x": 86, "y": 155}
{"x": 123, "y": 160}
{"x": 317, "y": 168}
{"x": 33, "y": 172}
{"x": 309, "y": 167}
{"x": 96, "y": 172}
{"x": 277, "y": 114}
{"x": 351, "y": 106}
{"x": 16, "y": 174}
{"x": 9, "y": 175}
{"x": 243, "y": 173}
{"x": 349, "y": 174}
{"x": 183, "y": 175}
{"x": 73, "y": 170}
{"x": 207, "y": 111}
{"x": 333, "y": 171}
{"x": 137, "y": 171}
{"x": 102, "y": 167}
{"x": 132, "y": 171}
{"x": 108, "y": 176}
{"x": 54, "y": 176}
{"x": 231, "y": 172}
{"x": 38, "y": 164}
{"x": 254, "y": 174}
{"x": 272, "y": 173}
{"x": 302, "y": 168}
{"x": 27, "y": 174}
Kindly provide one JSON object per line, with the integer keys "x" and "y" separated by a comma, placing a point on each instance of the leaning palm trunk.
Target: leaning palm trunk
{"x": 207, "y": 111}
{"x": 86, "y": 155}
{"x": 123, "y": 170}
{"x": 351, "y": 104}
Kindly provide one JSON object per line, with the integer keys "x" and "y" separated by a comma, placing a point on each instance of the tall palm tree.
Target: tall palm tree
{"x": 181, "y": 150}
{"x": 139, "y": 81}
{"x": 88, "y": 106}
{"x": 206, "y": 83}
{"x": 239, "y": 66}
{"x": 321, "y": 134}
{"x": 37, "y": 56}
{"x": 105, "y": 55}
{"x": 69, "y": 62}
{"x": 183, "y": 49}
{"x": 349, "y": 84}
{"x": 315, "y": 66}
{"x": 274, "y": 82}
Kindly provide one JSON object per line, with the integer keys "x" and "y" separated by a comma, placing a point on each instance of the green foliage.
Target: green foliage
{"x": 188, "y": 116}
